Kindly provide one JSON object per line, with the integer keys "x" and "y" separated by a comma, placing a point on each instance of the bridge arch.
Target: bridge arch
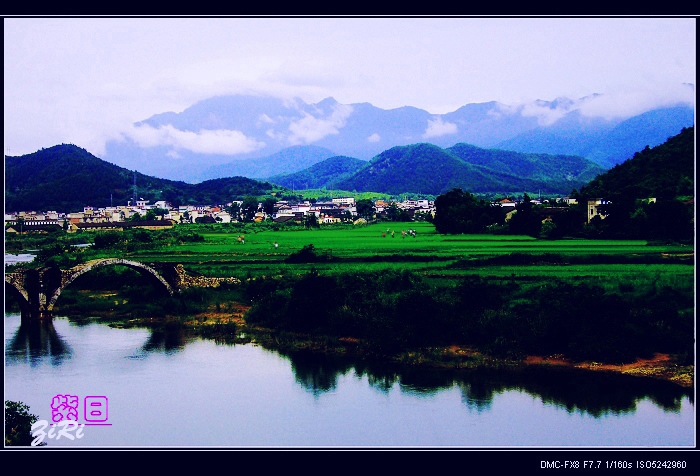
{"x": 20, "y": 295}
{"x": 72, "y": 274}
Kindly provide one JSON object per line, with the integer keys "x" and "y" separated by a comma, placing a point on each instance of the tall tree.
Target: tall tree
{"x": 268, "y": 205}
{"x": 365, "y": 208}
{"x": 459, "y": 211}
{"x": 249, "y": 207}
{"x": 525, "y": 221}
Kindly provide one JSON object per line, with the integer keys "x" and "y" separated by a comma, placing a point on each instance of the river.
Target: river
{"x": 169, "y": 389}
{"x": 19, "y": 258}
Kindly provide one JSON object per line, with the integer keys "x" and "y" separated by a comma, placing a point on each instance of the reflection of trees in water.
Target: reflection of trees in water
{"x": 380, "y": 376}
{"x": 477, "y": 394}
{"x": 35, "y": 341}
{"x": 576, "y": 391}
{"x": 169, "y": 338}
{"x": 417, "y": 381}
{"x": 602, "y": 393}
{"x": 81, "y": 321}
{"x": 318, "y": 375}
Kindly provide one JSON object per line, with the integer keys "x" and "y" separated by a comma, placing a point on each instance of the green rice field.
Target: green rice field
{"x": 371, "y": 248}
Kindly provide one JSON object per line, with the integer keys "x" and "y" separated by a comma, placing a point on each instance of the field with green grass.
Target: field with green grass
{"x": 383, "y": 246}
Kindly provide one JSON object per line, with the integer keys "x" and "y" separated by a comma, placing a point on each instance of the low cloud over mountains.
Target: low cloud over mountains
{"x": 223, "y": 133}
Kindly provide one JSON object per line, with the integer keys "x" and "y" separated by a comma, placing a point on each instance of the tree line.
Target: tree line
{"x": 396, "y": 311}
{"x": 623, "y": 216}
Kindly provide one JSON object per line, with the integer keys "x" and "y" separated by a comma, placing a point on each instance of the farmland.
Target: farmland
{"x": 344, "y": 249}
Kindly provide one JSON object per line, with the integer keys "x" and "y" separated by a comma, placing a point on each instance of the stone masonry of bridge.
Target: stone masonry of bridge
{"x": 184, "y": 280}
{"x": 37, "y": 290}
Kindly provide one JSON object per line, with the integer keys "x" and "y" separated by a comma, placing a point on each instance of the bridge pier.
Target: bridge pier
{"x": 36, "y": 315}
{"x": 38, "y": 285}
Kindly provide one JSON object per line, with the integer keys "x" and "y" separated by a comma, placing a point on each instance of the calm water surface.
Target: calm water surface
{"x": 168, "y": 389}
{"x": 19, "y": 258}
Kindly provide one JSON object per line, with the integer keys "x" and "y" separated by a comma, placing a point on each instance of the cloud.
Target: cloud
{"x": 617, "y": 103}
{"x": 221, "y": 141}
{"x": 264, "y": 118}
{"x": 627, "y": 103}
{"x": 437, "y": 127}
{"x": 272, "y": 134}
{"x": 374, "y": 138}
{"x": 310, "y": 129}
{"x": 501, "y": 109}
{"x": 547, "y": 113}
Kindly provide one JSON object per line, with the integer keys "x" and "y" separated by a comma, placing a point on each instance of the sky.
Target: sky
{"x": 86, "y": 81}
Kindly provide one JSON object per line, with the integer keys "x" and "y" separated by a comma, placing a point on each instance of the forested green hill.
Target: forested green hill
{"x": 67, "y": 178}
{"x": 324, "y": 174}
{"x": 666, "y": 171}
{"x": 426, "y": 168}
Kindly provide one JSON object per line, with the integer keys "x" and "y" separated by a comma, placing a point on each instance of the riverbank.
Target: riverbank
{"x": 231, "y": 327}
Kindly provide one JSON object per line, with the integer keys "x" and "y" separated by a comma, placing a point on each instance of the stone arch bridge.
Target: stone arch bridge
{"x": 37, "y": 290}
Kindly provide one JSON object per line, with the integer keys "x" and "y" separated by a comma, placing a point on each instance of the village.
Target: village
{"x": 162, "y": 215}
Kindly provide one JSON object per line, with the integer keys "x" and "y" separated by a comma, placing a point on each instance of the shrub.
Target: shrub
{"x": 18, "y": 424}
{"x": 108, "y": 239}
{"x": 306, "y": 254}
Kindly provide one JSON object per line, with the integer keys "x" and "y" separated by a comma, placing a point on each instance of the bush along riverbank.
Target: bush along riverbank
{"x": 401, "y": 317}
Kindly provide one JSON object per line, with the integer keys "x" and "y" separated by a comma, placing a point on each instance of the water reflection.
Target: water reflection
{"x": 318, "y": 375}
{"x": 171, "y": 338}
{"x": 577, "y": 391}
{"x": 36, "y": 342}
{"x": 380, "y": 376}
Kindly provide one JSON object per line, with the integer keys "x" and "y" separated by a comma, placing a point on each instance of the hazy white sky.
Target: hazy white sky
{"x": 85, "y": 80}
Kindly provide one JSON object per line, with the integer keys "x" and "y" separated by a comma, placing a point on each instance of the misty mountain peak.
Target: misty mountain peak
{"x": 231, "y": 128}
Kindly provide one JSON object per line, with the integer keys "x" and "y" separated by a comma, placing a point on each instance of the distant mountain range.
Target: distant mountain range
{"x": 598, "y": 142}
{"x": 259, "y": 137}
{"x": 67, "y": 178}
{"x": 287, "y": 160}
